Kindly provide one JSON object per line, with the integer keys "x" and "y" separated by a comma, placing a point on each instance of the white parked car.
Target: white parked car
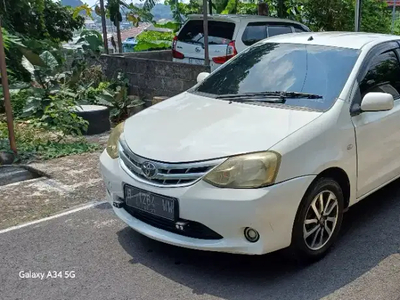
{"x": 227, "y": 36}
{"x": 268, "y": 151}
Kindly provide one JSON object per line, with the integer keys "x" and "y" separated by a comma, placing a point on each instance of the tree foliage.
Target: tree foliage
{"x": 338, "y": 15}
{"x": 39, "y": 25}
{"x": 326, "y": 15}
{"x": 39, "y": 19}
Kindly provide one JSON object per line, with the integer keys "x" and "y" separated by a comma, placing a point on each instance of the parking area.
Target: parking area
{"x": 111, "y": 261}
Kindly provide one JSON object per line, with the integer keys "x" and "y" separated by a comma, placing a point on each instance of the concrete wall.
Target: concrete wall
{"x": 152, "y": 73}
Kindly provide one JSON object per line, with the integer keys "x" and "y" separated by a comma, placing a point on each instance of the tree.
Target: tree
{"x": 134, "y": 14}
{"x": 40, "y": 19}
{"x": 40, "y": 24}
{"x": 338, "y": 15}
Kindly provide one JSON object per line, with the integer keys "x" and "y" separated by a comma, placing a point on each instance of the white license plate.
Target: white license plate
{"x": 151, "y": 203}
{"x": 195, "y": 61}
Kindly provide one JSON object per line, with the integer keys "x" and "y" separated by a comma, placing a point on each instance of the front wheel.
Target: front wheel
{"x": 318, "y": 220}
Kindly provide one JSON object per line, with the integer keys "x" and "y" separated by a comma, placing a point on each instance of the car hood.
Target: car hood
{"x": 190, "y": 127}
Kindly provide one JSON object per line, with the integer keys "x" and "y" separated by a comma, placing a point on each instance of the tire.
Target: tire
{"x": 312, "y": 248}
{"x": 97, "y": 116}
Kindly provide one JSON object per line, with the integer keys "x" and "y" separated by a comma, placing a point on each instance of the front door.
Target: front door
{"x": 378, "y": 133}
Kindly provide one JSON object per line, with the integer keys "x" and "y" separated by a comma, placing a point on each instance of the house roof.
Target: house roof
{"x": 132, "y": 32}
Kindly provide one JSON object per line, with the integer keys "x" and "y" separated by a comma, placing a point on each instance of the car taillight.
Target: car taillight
{"x": 230, "y": 52}
{"x": 176, "y": 54}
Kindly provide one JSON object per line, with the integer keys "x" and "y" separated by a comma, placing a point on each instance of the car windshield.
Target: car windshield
{"x": 274, "y": 67}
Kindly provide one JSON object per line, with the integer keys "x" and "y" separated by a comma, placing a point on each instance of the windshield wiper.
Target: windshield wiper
{"x": 279, "y": 96}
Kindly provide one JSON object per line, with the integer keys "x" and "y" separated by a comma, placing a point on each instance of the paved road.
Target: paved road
{"x": 111, "y": 261}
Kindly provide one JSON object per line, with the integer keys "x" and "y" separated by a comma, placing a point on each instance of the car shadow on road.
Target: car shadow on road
{"x": 370, "y": 233}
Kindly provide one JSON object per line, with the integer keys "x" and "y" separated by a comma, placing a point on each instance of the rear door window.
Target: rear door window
{"x": 256, "y": 31}
{"x": 218, "y": 32}
{"x": 278, "y": 29}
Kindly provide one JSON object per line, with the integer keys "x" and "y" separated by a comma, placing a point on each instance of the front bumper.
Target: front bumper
{"x": 271, "y": 211}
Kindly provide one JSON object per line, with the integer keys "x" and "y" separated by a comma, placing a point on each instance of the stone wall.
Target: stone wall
{"x": 152, "y": 73}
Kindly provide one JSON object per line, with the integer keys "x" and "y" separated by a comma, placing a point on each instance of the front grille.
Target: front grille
{"x": 192, "y": 229}
{"x": 165, "y": 174}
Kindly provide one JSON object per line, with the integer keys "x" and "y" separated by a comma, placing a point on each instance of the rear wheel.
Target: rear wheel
{"x": 318, "y": 220}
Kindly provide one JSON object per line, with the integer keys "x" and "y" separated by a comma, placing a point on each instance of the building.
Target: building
{"x": 391, "y": 3}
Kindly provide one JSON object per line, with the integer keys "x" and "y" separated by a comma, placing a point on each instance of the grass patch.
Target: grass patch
{"x": 35, "y": 144}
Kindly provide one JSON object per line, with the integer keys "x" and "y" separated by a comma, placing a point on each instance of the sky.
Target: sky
{"x": 90, "y": 2}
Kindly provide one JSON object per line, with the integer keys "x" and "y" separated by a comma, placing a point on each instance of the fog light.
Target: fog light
{"x": 251, "y": 234}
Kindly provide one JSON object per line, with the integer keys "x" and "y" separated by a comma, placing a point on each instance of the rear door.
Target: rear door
{"x": 191, "y": 39}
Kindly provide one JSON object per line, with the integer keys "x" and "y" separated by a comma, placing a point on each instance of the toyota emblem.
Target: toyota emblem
{"x": 149, "y": 169}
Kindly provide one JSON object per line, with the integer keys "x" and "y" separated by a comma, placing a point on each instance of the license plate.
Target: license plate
{"x": 151, "y": 203}
{"x": 194, "y": 61}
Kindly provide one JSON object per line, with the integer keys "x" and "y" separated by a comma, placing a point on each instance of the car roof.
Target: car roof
{"x": 255, "y": 18}
{"x": 354, "y": 40}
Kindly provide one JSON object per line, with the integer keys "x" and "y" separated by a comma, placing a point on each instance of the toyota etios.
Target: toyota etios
{"x": 268, "y": 151}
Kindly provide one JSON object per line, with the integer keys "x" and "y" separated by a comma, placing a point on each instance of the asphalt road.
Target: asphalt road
{"x": 111, "y": 261}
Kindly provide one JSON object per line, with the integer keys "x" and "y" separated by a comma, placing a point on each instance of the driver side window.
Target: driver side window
{"x": 383, "y": 75}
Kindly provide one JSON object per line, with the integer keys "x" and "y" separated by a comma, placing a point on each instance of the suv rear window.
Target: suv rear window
{"x": 218, "y": 32}
{"x": 255, "y": 32}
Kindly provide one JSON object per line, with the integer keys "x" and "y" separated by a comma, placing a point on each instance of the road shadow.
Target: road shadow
{"x": 370, "y": 233}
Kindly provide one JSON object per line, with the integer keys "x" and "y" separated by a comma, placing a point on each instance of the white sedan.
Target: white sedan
{"x": 268, "y": 151}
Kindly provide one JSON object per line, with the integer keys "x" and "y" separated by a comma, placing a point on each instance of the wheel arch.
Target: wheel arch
{"x": 341, "y": 177}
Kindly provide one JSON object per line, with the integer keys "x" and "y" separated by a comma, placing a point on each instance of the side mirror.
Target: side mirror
{"x": 202, "y": 76}
{"x": 377, "y": 102}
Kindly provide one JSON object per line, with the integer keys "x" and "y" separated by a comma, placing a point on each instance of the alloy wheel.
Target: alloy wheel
{"x": 321, "y": 219}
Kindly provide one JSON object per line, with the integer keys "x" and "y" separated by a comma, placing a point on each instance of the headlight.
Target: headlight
{"x": 112, "y": 144}
{"x": 246, "y": 171}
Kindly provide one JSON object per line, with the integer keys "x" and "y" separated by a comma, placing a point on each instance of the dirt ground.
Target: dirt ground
{"x": 71, "y": 181}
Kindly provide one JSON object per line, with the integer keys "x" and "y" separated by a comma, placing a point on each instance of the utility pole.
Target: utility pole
{"x": 281, "y": 10}
{"x": 104, "y": 25}
{"x": 119, "y": 41}
{"x": 393, "y": 15}
{"x": 357, "y": 17}
{"x": 205, "y": 29}
{"x": 6, "y": 94}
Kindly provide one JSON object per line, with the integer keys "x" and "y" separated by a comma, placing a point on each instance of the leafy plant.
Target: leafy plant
{"x": 89, "y": 94}
{"x": 82, "y": 8}
{"x": 10, "y": 39}
{"x": 247, "y": 8}
{"x": 18, "y": 99}
{"x": 51, "y": 102}
{"x": 137, "y": 14}
{"x": 60, "y": 116}
{"x": 115, "y": 96}
{"x": 151, "y": 40}
{"x": 180, "y": 9}
{"x": 92, "y": 42}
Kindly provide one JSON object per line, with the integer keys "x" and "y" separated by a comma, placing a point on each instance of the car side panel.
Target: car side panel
{"x": 328, "y": 141}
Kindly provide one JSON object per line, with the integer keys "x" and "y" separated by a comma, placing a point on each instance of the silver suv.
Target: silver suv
{"x": 227, "y": 36}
